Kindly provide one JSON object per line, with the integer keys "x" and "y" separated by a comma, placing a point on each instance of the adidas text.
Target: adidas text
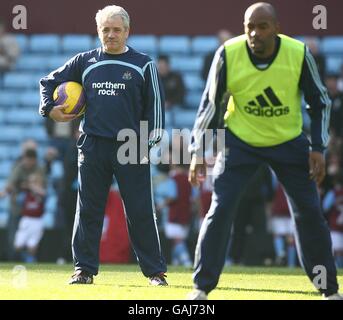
{"x": 267, "y": 112}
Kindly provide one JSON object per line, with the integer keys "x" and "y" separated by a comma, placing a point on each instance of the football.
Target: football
{"x": 72, "y": 94}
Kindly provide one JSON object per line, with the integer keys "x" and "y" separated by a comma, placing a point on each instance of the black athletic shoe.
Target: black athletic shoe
{"x": 81, "y": 277}
{"x": 158, "y": 280}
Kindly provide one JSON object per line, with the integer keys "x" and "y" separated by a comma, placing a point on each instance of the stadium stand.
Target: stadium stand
{"x": 76, "y": 43}
{"x": 332, "y": 45}
{"x": 23, "y": 42}
{"x": 171, "y": 45}
{"x": 41, "y": 43}
{"x": 201, "y": 45}
{"x": 144, "y": 43}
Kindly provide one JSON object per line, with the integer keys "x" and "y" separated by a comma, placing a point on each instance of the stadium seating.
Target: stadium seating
{"x": 41, "y": 43}
{"x": 17, "y": 80}
{"x": 11, "y": 134}
{"x": 4, "y": 207}
{"x": 5, "y": 167}
{"x": 35, "y": 132}
{"x": 193, "y": 98}
{"x": 29, "y": 99}
{"x": 144, "y": 43}
{"x": 23, "y": 117}
{"x": 186, "y": 63}
{"x": 174, "y": 45}
{"x": 193, "y": 81}
{"x": 21, "y": 80}
{"x": 97, "y": 42}
{"x": 332, "y": 45}
{"x": 57, "y": 61}
{"x": 2, "y": 117}
{"x": 8, "y": 98}
{"x": 4, "y": 151}
{"x": 32, "y": 62}
{"x": 334, "y": 63}
{"x": 184, "y": 119}
{"x": 76, "y": 43}
{"x": 56, "y": 170}
{"x": 204, "y": 44}
{"x": 9, "y": 151}
{"x": 23, "y": 42}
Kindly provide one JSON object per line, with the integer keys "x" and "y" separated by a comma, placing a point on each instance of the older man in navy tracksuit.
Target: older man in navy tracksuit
{"x": 122, "y": 89}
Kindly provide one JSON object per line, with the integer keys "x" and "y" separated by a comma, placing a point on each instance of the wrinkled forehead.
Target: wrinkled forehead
{"x": 111, "y": 22}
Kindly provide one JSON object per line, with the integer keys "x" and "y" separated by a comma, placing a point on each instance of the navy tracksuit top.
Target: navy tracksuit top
{"x": 121, "y": 90}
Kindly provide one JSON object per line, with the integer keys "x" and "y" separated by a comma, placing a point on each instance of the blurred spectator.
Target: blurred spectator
{"x": 16, "y": 183}
{"x": 313, "y": 44}
{"x": 336, "y": 97}
{"x": 333, "y": 165}
{"x": 180, "y": 216}
{"x": 172, "y": 83}
{"x": 333, "y": 207}
{"x": 249, "y": 232}
{"x": 340, "y": 79}
{"x": 31, "y": 226}
{"x": 9, "y": 49}
{"x": 165, "y": 192}
{"x": 222, "y": 35}
{"x": 281, "y": 226}
{"x": 60, "y": 134}
{"x": 28, "y": 144}
{"x": 49, "y": 156}
{"x": 67, "y": 195}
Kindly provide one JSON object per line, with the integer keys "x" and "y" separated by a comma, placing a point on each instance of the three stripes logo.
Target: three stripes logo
{"x": 265, "y": 108}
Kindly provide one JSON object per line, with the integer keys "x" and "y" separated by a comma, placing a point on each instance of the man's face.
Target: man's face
{"x": 331, "y": 84}
{"x": 163, "y": 67}
{"x": 113, "y": 35}
{"x": 29, "y": 162}
{"x": 261, "y": 31}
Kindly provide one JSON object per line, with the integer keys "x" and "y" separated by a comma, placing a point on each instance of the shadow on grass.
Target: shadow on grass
{"x": 190, "y": 287}
{"x": 308, "y": 293}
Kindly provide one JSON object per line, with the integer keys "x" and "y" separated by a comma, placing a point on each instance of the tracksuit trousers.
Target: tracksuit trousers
{"x": 98, "y": 163}
{"x": 232, "y": 172}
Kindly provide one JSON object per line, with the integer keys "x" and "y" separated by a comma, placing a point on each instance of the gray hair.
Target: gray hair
{"x": 110, "y": 12}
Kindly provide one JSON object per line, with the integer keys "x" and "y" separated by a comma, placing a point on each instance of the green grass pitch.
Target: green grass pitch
{"x": 125, "y": 282}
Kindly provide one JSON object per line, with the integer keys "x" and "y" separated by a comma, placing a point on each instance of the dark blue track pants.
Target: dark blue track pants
{"x": 98, "y": 164}
{"x": 290, "y": 163}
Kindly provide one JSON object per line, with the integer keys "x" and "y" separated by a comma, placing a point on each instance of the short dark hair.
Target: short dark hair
{"x": 332, "y": 75}
{"x": 163, "y": 57}
{"x": 30, "y": 153}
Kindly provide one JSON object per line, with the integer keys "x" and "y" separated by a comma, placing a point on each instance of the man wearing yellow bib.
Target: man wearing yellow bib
{"x": 265, "y": 73}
